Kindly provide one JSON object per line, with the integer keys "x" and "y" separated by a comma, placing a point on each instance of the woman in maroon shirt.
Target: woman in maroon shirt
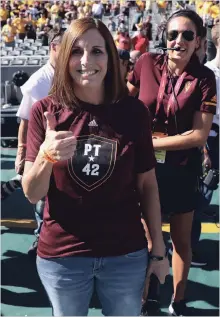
{"x": 90, "y": 152}
{"x": 181, "y": 96}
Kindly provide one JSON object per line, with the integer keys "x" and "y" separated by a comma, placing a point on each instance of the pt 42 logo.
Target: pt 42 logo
{"x": 93, "y": 161}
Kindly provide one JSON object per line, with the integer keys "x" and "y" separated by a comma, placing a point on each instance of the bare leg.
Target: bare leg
{"x": 180, "y": 230}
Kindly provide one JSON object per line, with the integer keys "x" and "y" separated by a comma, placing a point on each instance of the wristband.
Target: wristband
{"x": 157, "y": 257}
{"x": 22, "y": 145}
{"x": 47, "y": 157}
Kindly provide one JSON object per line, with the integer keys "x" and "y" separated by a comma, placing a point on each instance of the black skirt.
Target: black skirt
{"x": 178, "y": 188}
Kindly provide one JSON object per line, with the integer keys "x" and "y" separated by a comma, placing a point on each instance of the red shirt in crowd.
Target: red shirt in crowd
{"x": 91, "y": 207}
{"x": 140, "y": 43}
{"x": 197, "y": 93}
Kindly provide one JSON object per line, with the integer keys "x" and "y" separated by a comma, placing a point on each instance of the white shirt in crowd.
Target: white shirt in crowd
{"x": 97, "y": 8}
{"x": 216, "y": 71}
{"x": 36, "y": 88}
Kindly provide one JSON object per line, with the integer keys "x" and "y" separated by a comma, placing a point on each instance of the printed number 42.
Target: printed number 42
{"x": 91, "y": 170}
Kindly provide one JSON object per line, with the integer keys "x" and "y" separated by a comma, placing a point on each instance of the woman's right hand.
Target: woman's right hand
{"x": 59, "y": 145}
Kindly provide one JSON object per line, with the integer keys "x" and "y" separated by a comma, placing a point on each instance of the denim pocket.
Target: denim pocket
{"x": 137, "y": 254}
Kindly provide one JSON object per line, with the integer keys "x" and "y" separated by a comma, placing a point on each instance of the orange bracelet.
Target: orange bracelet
{"x": 47, "y": 157}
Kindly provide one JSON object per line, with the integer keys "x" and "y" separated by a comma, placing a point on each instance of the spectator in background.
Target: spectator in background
{"x": 61, "y": 12}
{"x": 19, "y": 23}
{"x": 80, "y": 11}
{"x": 147, "y": 26}
{"x": 30, "y": 28}
{"x": 54, "y": 11}
{"x": 8, "y": 33}
{"x": 48, "y": 6}
{"x": 162, "y": 5}
{"x": 97, "y": 10}
{"x": 124, "y": 58}
{"x": 8, "y": 8}
{"x": 71, "y": 14}
{"x": 211, "y": 149}
{"x": 139, "y": 41}
{"x": 214, "y": 65}
{"x": 116, "y": 9}
{"x": 87, "y": 9}
{"x": 4, "y": 14}
{"x": 124, "y": 41}
{"x": 137, "y": 18}
{"x": 43, "y": 12}
{"x": 42, "y": 20}
{"x": 43, "y": 34}
{"x": 36, "y": 88}
{"x": 111, "y": 24}
{"x": 108, "y": 8}
{"x": 15, "y": 10}
{"x": 33, "y": 12}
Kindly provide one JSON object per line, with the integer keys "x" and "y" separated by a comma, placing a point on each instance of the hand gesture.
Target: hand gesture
{"x": 59, "y": 145}
{"x": 160, "y": 269}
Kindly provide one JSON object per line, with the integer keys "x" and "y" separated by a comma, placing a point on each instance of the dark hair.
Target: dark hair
{"x": 55, "y": 36}
{"x": 191, "y": 15}
{"x": 62, "y": 87}
{"x": 123, "y": 54}
{"x": 203, "y": 32}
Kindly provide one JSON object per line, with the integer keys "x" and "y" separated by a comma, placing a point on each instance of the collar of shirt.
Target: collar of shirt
{"x": 191, "y": 68}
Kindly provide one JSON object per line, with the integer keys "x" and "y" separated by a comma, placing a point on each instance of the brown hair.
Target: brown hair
{"x": 215, "y": 34}
{"x": 62, "y": 88}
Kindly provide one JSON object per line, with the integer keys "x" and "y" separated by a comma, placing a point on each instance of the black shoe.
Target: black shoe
{"x": 144, "y": 310}
{"x": 178, "y": 308}
{"x": 32, "y": 252}
{"x": 151, "y": 308}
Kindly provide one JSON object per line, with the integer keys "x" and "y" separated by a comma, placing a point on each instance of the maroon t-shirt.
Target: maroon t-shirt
{"x": 91, "y": 206}
{"x": 197, "y": 93}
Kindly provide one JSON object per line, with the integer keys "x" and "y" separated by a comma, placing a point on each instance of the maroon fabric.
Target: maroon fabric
{"x": 98, "y": 214}
{"x": 196, "y": 94}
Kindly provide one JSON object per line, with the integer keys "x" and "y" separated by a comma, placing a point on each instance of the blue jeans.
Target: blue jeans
{"x": 10, "y": 44}
{"x": 38, "y": 210}
{"x": 118, "y": 280}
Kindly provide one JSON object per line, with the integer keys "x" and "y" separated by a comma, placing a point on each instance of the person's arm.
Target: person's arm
{"x": 196, "y": 137}
{"x": 3, "y": 31}
{"x": 36, "y": 179}
{"x": 23, "y": 112}
{"x": 22, "y": 143}
{"x": 133, "y": 82}
{"x": 202, "y": 120}
{"x": 149, "y": 198}
{"x": 150, "y": 206}
{"x": 57, "y": 146}
{"x": 133, "y": 91}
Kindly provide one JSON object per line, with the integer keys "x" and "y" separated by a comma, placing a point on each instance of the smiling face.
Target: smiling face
{"x": 181, "y": 33}
{"x": 89, "y": 61}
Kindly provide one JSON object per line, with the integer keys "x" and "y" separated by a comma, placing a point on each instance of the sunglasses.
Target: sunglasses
{"x": 187, "y": 35}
